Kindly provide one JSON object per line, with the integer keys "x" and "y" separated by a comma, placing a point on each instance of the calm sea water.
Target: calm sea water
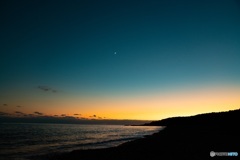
{"x": 25, "y": 141}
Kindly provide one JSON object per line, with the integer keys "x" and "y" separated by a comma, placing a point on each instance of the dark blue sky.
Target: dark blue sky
{"x": 159, "y": 45}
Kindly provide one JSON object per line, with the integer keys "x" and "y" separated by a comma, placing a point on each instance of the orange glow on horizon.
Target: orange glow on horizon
{"x": 142, "y": 107}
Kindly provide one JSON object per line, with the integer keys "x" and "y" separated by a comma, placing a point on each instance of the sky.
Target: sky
{"x": 119, "y": 59}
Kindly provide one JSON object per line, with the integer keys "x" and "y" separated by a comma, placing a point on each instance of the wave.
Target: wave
{"x": 101, "y": 144}
{"x": 111, "y": 141}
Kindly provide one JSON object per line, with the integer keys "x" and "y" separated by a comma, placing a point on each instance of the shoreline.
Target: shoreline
{"x": 168, "y": 143}
{"x": 186, "y": 140}
{"x": 64, "y": 155}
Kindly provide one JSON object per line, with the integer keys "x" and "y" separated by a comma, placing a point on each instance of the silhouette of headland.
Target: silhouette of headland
{"x": 207, "y": 120}
{"x": 184, "y": 138}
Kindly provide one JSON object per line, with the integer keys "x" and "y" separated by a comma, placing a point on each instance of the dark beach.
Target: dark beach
{"x": 183, "y": 138}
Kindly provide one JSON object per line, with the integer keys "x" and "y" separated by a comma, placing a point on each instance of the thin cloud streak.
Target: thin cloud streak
{"x": 4, "y": 114}
{"x": 47, "y": 89}
{"x": 38, "y": 113}
{"x": 18, "y": 112}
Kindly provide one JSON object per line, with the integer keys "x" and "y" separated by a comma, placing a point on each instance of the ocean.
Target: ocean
{"x": 23, "y": 141}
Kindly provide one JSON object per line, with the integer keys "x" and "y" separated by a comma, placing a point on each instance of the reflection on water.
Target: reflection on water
{"x": 19, "y": 141}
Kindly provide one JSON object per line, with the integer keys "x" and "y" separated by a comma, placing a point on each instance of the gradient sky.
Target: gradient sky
{"x": 120, "y": 59}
